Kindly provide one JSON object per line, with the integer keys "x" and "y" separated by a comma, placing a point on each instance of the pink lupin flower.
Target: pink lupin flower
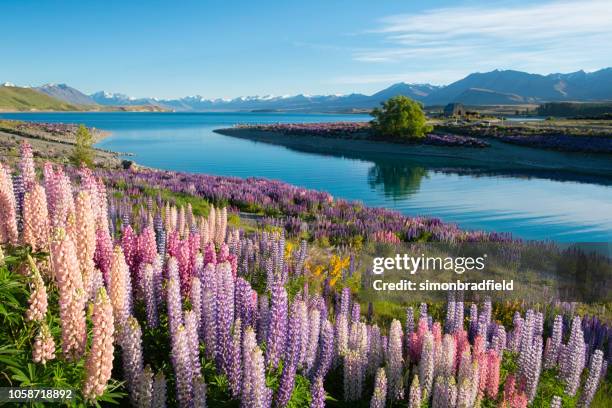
{"x": 120, "y": 288}
{"x": 26, "y": 166}
{"x": 71, "y": 295}
{"x": 99, "y": 363}
{"x": 86, "y": 242}
{"x": 35, "y": 218}
{"x": 43, "y": 349}
{"x": 103, "y": 255}
{"x": 8, "y": 215}
{"x": 493, "y": 362}
{"x": 38, "y": 297}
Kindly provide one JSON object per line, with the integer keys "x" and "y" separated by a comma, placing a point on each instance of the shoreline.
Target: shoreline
{"x": 499, "y": 156}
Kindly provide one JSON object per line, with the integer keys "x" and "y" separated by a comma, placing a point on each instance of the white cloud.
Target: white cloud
{"x": 557, "y": 36}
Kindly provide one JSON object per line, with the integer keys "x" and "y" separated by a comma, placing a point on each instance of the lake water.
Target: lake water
{"x": 528, "y": 206}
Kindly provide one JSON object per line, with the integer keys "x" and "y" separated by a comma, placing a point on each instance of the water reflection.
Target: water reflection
{"x": 397, "y": 180}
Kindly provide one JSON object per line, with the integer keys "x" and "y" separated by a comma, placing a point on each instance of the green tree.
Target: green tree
{"x": 400, "y": 117}
{"x": 83, "y": 153}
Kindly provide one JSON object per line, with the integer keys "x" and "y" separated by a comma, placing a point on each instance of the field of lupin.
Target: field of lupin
{"x": 152, "y": 289}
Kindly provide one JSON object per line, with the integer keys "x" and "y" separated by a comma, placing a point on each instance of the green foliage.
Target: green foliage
{"x": 199, "y": 206}
{"x": 17, "y": 336}
{"x": 400, "y": 118}
{"x": 83, "y": 153}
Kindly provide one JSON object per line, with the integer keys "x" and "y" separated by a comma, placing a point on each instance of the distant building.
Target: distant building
{"x": 454, "y": 109}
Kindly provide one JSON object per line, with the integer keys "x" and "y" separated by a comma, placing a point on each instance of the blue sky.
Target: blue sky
{"x": 232, "y": 48}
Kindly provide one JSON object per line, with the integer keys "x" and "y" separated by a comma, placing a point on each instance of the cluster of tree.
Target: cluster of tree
{"x": 400, "y": 118}
{"x": 575, "y": 109}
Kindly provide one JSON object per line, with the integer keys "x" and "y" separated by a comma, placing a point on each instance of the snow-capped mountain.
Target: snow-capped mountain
{"x": 66, "y": 93}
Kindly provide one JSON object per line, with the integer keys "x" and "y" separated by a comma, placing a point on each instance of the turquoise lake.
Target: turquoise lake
{"x": 558, "y": 207}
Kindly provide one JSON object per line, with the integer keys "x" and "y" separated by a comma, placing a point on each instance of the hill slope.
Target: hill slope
{"x": 13, "y": 98}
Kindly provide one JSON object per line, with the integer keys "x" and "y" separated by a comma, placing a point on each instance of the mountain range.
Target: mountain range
{"x": 499, "y": 87}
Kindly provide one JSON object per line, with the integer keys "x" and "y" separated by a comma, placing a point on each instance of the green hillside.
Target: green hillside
{"x": 14, "y": 98}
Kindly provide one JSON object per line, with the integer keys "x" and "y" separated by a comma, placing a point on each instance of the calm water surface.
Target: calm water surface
{"x": 529, "y": 207}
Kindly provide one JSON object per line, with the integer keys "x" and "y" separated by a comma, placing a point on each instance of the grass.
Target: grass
{"x": 26, "y": 99}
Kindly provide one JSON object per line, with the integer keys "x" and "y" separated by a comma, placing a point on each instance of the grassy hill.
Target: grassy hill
{"x": 14, "y": 98}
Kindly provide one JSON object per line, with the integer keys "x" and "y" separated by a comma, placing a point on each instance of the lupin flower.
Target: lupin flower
{"x": 99, "y": 362}
{"x": 86, "y": 243}
{"x": 132, "y": 358}
{"x": 415, "y": 398}
{"x": 199, "y": 392}
{"x": 380, "y": 390}
{"x": 556, "y": 402}
{"x": 287, "y": 382}
{"x": 150, "y": 295}
{"x": 26, "y": 166}
{"x": 225, "y": 315}
{"x": 342, "y": 334}
{"x": 144, "y": 385}
{"x": 326, "y": 350}
{"x": 120, "y": 288}
{"x": 571, "y": 367}
{"x": 173, "y": 301}
{"x": 395, "y": 362}
{"x": 8, "y": 216}
{"x": 590, "y": 386}
{"x": 183, "y": 370}
{"x": 444, "y": 393}
{"x": 43, "y": 349}
{"x": 317, "y": 393}
{"x": 193, "y": 341}
{"x": 353, "y": 375}
{"x": 277, "y": 329}
{"x": 35, "y": 218}
{"x": 553, "y": 343}
{"x": 103, "y": 256}
{"x": 261, "y": 395}
{"x": 312, "y": 343}
{"x": 71, "y": 295}
{"x": 426, "y": 365}
{"x": 159, "y": 391}
{"x": 38, "y": 297}
{"x": 235, "y": 360}
{"x": 493, "y": 362}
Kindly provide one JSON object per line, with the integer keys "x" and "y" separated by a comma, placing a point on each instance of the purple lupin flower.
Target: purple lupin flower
{"x": 263, "y": 322}
{"x": 590, "y": 386}
{"x": 414, "y": 399}
{"x": 574, "y": 356}
{"x": 353, "y": 375}
{"x": 150, "y": 296}
{"x": 225, "y": 315}
{"x": 445, "y": 393}
{"x": 249, "y": 343}
{"x": 287, "y": 382}
{"x": 193, "y": 341}
{"x": 195, "y": 296}
{"x": 174, "y": 302}
{"x": 551, "y": 354}
{"x": 342, "y": 335}
{"x": 345, "y": 301}
{"x": 261, "y": 394}
{"x": 159, "y": 391}
{"x": 426, "y": 364}
{"x": 199, "y": 392}
{"x": 209, "y": 310}
{"x": 235, "y": 369}
{"x": 312, "y": 343}
{"x": 131, "y": 346}
{"x": 326, "y": 350}
{"x": 375, "y": 354}
{"x": 355, "y": 312}
{"x": 395, "y": 362}
{"x": 473, "y": 326}
{"x": 317, "y": 393}
{"x": 183, "y": 370}
{"x": 555, "y": 402}
{"x": 380, "y": 390}
{"x": 277, "y": 328}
